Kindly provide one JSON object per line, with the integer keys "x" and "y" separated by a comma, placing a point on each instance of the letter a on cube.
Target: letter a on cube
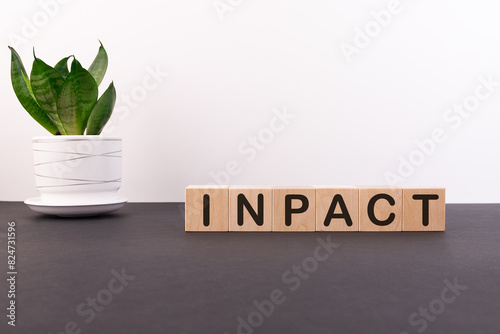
{"x": 337, "y": 208}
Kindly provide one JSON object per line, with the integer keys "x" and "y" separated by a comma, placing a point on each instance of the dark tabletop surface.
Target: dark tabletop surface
{"x": 137, "y": 271}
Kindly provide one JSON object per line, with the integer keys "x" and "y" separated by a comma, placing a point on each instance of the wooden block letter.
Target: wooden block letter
{"x": 380, "y": 209}
{"x": 250, "y": 208}
{"x": 294, "y": 209}
{"x": 423, "y": 209}
{"x": 337, "y": 208}
{"x": 207, "y": 208}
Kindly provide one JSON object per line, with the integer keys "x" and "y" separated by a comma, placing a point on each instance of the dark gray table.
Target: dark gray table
{"x": 177, "y": 282}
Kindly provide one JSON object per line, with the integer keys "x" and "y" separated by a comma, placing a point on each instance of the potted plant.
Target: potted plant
{"x": 78, "y": 172}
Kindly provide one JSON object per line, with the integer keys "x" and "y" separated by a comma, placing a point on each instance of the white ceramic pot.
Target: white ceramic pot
{"x": 77, "y": 170}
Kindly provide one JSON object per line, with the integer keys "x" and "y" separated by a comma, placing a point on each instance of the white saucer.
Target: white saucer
{"x": 75, "y": 210}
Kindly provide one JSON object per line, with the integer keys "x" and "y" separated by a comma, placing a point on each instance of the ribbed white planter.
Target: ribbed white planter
{"x": 77, "y": 170}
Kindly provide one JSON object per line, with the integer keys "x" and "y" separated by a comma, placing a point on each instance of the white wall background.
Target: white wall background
{"x": 353, "y": 122}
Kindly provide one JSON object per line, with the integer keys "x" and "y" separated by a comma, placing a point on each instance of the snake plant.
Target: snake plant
{"x": 65, "y": 102}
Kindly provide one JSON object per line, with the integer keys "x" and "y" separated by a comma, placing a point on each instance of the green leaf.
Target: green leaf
{"x": 24, "y": 93}
{"x": 46, "y": 83}
{"x": 77, "y": 99}
{"x": 102, "y": 111}
{"x": 99, "y": 65}
{"x": 62, "y": 67}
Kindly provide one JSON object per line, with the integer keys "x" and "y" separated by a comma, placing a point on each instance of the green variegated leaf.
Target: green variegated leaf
{"x": 24, "y": 93}
{"x": 77, "y": 99}
{"x": 62, "y": 67}
{"x": 102, "y": 111}
{"x": 46, "y": 83}
{"x": 99, "y": 65}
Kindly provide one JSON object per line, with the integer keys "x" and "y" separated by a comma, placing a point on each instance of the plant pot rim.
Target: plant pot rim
{"x": 62, "y": 138}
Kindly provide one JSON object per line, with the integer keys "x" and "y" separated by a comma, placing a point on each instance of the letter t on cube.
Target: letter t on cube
{"x": 423, "y": 209}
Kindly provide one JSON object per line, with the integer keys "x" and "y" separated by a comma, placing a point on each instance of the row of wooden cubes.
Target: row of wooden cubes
{"x": 309, "y": 209}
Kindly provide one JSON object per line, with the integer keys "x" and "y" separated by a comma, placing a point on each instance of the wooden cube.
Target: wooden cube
{"x": 294, "y": 209}
{"x": 250, "y": 208}
{"x": 337, "y": 208}
{"x": 380, "y": 209}
{"x": 423, "y": 209}
{"x": 207, "y": 209}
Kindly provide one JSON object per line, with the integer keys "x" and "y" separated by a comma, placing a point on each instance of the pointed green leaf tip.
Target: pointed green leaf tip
{"x": 77, "y": 99}
{"x": 62, "y": 67}
{"x": 99, "y": 65}
{"x": 102, "y": 111}
{"x": 24, "y": 93}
